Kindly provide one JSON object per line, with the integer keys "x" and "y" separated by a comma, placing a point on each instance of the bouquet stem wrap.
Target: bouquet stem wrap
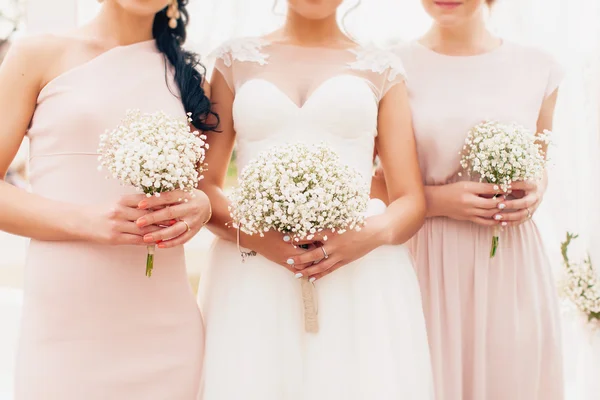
{"x": 311, "y": 308}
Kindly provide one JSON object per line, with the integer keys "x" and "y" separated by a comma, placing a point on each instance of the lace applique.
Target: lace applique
{"x": 377, "y": 60}
{"x": 244, "y": 50}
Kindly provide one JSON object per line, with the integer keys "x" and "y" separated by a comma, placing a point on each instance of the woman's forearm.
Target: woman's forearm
{"x": 402, "y": 219}
{"x": 33, "y": 216}
{"x": 221, "y": 223}
{"x": 434, "y": 201}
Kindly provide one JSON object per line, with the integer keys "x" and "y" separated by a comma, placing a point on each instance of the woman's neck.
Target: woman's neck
{"x": 119, "y": 27}
{"x": 469, "y": 38}
{"x": 308, "y": 32}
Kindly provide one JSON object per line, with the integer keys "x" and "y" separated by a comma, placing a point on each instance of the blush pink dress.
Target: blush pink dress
{"x": 94, "y": 326}
{"x": 493, "y": 324}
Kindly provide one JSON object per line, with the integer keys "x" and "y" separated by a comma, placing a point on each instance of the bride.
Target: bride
{"x": 309, "y": 82}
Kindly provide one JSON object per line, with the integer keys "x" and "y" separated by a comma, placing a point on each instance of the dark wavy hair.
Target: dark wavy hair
{"x": 189, "y": 72}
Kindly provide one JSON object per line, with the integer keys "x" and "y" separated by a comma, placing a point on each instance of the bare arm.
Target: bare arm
{"x": 530, "y": 194}
{"x": 218, "y": 157}
{"x": 22, "y": 75}
{"x": 397, "y": 151}
{"x": 26, "y": 214}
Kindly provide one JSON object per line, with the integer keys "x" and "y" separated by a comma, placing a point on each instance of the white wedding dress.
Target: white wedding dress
{"x": 372, "y": 342}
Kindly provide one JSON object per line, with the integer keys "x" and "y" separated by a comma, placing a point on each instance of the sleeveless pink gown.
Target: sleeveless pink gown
{"x": 493, "y": 324}
{"x": 94, "y": 326}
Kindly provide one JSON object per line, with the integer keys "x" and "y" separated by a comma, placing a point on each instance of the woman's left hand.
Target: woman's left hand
{"x": 337, "y": 251}
{"x": 186, "y": 213}
{"x": 517, "y": 211}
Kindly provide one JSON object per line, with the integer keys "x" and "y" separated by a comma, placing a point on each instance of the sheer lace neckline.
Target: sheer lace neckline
{"x": 300, "y": 72}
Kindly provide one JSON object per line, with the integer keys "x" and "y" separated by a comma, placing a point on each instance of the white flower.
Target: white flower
{"x": 154, "y": 153}
{"x": 580, "y": 285}
{"x": 300, "y": 190}
{"x": 504, "y": 153}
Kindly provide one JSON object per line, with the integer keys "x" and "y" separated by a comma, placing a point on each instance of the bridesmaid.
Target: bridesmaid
{"x": 493, "y": 324}
{"x": 94, "y": 326}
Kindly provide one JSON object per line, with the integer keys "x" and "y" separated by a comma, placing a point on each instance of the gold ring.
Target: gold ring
{"x": 528, "y": 214}
{"x": 325, "y": 255}
{"x": 187, "y": 226}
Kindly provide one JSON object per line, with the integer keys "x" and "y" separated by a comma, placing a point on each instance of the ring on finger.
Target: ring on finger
{"x": 186, "y": 225}
{"x": 529, "y": 214}
{"x": 325, "y": 255}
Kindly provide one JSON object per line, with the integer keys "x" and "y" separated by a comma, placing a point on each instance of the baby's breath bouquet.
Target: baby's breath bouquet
{"x": 502, "y": 154}
{"x": 580, "y": 285}
{"x": 299, "y": 190}
{"x": 154, "y": 153}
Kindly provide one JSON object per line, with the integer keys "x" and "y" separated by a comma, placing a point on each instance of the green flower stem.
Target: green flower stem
{"x": 495, "y": 240}
{"x": 150, "y": 261}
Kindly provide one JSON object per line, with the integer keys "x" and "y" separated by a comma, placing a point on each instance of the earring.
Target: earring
{"x": 173, "y": 13}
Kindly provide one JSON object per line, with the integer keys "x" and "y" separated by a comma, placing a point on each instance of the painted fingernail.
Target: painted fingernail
{"x": 502, "y": 206}
{"x": 504, "y": 223}
{"x": 498, "y": 217}
{"x": 143, "y": 204}
{"x": 141, "y": 222}
{"x": 290, "y": 261}
{"x": 148, "y": 238}
{"x": 286, "y": 238}
{"x": 311, "y": 280}
{"x": 161, "y": 245}
{"x": 298, "y": 275}
{"x": 172, "y": 222}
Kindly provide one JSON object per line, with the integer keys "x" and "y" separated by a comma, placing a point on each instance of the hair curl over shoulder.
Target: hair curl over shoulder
{"x": 189, "y": 73}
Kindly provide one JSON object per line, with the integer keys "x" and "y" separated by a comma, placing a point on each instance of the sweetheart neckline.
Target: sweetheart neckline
{"x": 312, "y": 94}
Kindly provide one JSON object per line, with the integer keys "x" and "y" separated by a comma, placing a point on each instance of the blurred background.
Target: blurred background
{"x": 568, "y": 29}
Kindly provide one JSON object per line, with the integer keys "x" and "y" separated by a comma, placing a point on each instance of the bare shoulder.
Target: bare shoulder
{"x": 32, "y": 57}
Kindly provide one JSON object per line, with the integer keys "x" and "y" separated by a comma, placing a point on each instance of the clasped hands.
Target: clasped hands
{"x": 166, "y": 221}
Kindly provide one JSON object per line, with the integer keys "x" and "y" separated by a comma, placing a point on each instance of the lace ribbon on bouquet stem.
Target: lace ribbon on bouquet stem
{"x": 310, "y": 306}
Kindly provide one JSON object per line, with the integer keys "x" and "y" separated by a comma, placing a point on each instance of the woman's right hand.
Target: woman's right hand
{"x": 465, "y": 201}
{"x": 116, "y": 225}
{"x": 275, "y": 247}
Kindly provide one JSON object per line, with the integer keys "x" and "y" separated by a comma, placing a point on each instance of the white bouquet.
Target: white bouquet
{"x": 580, "y": 285}
{"x": 154, "y": 153}
{"x": 502, "y": 154}
{"x": 299, "y": 190}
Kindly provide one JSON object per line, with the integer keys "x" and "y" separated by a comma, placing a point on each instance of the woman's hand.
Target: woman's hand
{"x": 278, "y": 248}
{"x": 466, "y": 201}
{"x": 117, "y": 225}
{"x": 528, "y": 198}
{"x": 338, "y": 250}
{"x": 186, "y": 214}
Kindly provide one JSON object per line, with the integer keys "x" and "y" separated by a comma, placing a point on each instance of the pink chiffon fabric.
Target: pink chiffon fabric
{"x": 493, "y": 324}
